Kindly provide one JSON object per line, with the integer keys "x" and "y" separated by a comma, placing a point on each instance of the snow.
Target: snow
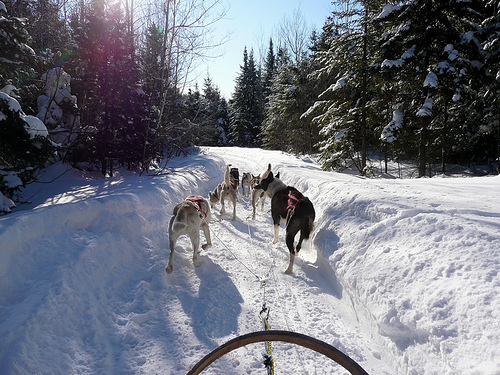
{"x": 410, "y": 53}
{"x": 388, "y": 9}
{"x": 12, "y": 104}
{"x": 341, "y": 82}
{"x": 6, "y": 203}
{"x": 390, "y": 63}
{"x": 431, "y": 80}
{"x": 401, "y": 275}
{"x": 426, "y": 109}
{"x": 452, "y": 52}
{"x": 57, "y": 90}
{"x": 389, "y": 132}
{"x": 35, "y": 127}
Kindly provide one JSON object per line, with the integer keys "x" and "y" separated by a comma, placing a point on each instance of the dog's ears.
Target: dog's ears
{"x": 278, "y": 175}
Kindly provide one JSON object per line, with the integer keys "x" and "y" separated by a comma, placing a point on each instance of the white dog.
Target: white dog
{"x": 189, "y": 216}
{"x": 246, "y": 181}
{"x": 224, "y": 191}
{"x": 258, "y": 194}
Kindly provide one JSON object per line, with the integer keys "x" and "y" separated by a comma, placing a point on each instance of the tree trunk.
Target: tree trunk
{"x": 422, "y": 157}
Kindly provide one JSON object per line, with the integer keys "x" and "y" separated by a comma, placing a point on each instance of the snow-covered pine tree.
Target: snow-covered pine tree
{"x": 18, "y": 58}
{"x": 24, "y": 143}
{"x": 274, "y": 127}
{"x": 431, "y": 62}
{"x": 489, "y": 35}
{"x": 57, "y": 108}
{"x": 245, "y": 117}
{"x": 292, "y": 93}
{"x": 347, "y": 111}
{"x": 268, "y": 73}
{"x": 215, "y": 115}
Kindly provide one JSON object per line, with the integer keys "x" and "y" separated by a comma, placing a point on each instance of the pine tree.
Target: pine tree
{"x": 18, "y": 58}
{"x": 24, "y": 143}
{"x": 346, "y": 110}
{"x": 58, "y": 109}
{"x": 292, "y": 93}
{"x": 490, "y": 85}
{"x": 246, "y": 105}
{"x": 269, "y": 72}
{"x": 215, "y": 116}
{"x": 106, "y": 53}
{"x": 432, "y": 62}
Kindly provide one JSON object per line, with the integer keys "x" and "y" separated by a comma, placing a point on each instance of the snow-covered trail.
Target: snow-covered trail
{"x": 401, "y": 275}
{"x": 310, "y": 300}
{"x": 84, "y": 288}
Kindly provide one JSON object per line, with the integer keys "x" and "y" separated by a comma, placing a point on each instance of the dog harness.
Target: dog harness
{"x": 290, "y": 197}
{"x": 198, "y": 204}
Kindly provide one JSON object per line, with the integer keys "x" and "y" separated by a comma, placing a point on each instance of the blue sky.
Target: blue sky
{"x": 251, "y": 24}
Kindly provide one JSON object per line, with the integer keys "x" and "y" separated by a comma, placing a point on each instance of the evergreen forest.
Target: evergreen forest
{"x": 105, "y": 84}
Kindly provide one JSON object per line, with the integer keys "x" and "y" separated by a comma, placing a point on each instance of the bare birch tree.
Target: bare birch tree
{"x": 293, "y": 35}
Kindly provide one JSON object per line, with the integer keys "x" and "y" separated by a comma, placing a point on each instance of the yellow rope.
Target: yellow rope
{"x": 269, "y": 348}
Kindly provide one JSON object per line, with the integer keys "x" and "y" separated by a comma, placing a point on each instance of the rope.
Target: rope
{"x": 264, "y": 313}
{"x": 235, "y": 257}
{"x": 268, "y": 356}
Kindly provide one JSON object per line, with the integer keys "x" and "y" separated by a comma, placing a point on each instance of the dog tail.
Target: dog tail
{"x": 227, "y": 176}
{"x": 310, "y": 214}
{"x": 308, "y": 227}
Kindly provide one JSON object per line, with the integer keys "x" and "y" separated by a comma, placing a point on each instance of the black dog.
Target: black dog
{"x": 289, "y": 204}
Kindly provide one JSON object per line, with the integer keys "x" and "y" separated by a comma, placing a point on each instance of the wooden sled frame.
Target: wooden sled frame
{"x": 277, "y": 335}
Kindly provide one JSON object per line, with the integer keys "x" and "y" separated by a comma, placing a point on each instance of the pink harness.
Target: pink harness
{"x": 290, "y": 198}
{"x": 197, "y": 203}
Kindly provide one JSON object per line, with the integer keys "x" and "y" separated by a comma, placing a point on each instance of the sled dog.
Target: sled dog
{"x": 246, "y": 182}
{"x": 222, "y": 192}
{"x": 234, "y": 177}
{"x": 189, "y": 216}
{"x": 297, "y": 210}
{"x": 258, "y": 194}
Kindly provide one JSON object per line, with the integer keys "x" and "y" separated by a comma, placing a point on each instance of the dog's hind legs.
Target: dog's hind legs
{"x": 206, "y": 231}
{"x": 172, "y": 239}
{"x": 223, "y": 203}
{"x": 234, "y": 209}
{"x": 299, "y": 244}
{"x": 195, "y": 241}
{"x": 289, "y": 270}
{"x": 290, "y": 237}
{"x": 276, "y": 232}
{"x": 170, "y": 266}
{"x": 254, "y": 203}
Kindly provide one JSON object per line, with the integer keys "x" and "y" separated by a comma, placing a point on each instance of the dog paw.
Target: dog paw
{"x": 169, "y": 268}
{"x": 275, "y": 242}
{"x": 206, "y": 246}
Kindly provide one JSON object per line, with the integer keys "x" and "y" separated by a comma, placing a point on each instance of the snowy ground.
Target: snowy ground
{"x": 401, "y": 275}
